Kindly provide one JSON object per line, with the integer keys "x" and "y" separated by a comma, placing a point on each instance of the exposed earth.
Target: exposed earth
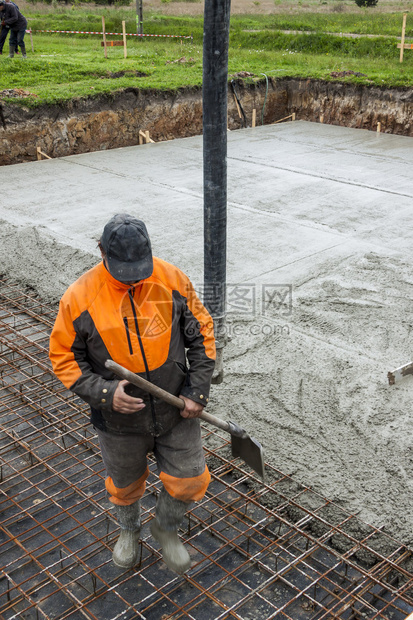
{"x": 107, "y": 122}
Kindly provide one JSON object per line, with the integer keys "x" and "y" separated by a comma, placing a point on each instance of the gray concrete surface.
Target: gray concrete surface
{"x": 320, "y": 221}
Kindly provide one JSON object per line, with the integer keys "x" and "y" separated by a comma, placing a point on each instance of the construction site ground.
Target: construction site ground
{"x": 319, "y": 310}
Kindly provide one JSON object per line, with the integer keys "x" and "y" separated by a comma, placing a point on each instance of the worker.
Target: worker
{"x": 12, "y": 19}
{"x": 142, "y": 313}
{"x": 4, "y": 31}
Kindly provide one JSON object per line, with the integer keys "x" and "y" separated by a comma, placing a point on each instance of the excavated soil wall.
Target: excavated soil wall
{"x": 106, "y": 122}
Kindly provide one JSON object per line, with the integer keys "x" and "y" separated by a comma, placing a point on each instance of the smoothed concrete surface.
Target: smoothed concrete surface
{"x": 324, "y": 210}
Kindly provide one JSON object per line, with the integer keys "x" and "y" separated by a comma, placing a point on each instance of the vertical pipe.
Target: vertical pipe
{"x": 214, "y": 100}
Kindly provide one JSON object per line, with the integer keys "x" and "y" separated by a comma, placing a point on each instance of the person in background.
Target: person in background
{"x": 13, "y": 20}
{"x": 4, "y": 31}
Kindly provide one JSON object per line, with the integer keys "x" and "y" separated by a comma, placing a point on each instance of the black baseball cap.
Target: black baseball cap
{"x": 127, "y": 246}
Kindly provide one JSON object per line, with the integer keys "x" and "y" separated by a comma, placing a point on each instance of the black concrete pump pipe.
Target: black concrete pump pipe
{"x": 214, "y": 101}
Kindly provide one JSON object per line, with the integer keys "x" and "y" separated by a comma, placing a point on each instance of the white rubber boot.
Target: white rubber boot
{"x": 164, "y": 528}
{"x": 125, "y": 552}
{"x": 174, "y": 554}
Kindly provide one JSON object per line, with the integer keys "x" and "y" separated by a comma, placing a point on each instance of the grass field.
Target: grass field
{"x": 67, "y": 66}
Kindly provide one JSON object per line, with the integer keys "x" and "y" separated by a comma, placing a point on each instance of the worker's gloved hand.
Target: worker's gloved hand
{"x": 123, "y": 403}
{"x": 192, "y": 409}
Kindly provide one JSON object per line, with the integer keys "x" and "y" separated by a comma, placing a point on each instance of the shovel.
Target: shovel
{"x": 242, "y": 445}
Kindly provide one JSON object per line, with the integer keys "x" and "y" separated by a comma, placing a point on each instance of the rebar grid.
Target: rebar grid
{"x": 259, "y": 550}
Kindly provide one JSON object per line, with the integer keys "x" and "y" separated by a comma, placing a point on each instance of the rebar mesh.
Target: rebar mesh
{"x": 259, "y": 550}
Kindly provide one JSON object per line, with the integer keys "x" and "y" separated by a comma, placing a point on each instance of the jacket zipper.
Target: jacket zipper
{"x": 125, "y": 320}
{"x": 148, "y": 376}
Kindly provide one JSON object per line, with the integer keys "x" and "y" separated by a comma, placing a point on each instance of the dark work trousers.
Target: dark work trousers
{"x": 17, "y": 38}
{"x": 179, "y": 455}
{"x": 3, "y": 36}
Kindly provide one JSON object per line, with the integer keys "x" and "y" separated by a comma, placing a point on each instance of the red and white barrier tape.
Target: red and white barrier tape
{"x": 128, "y": 34}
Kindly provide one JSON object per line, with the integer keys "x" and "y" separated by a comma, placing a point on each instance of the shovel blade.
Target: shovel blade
{"x": 250, "y": 451}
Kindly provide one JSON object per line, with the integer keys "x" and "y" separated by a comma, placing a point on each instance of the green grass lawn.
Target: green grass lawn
{"x": 67, "y": 66}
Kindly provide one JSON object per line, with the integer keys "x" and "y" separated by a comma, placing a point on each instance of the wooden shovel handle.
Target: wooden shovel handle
{"x": 149, "y": 387}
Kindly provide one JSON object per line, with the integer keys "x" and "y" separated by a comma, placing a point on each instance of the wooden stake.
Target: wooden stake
{"x": 125, "y": 52}
{"x": 104, "y": 37}
{"x": 40, "y": 154}
{"x": 321, "y": 119}
{"x": 378, "y": 127}
{"x": 236, "y": 103}
{"x": 292, "y": 116}
{"x": 403, "y": 36}
{"x": 144, "y": 137}
{"x": 31, "y": 39}
{"x": 254, "y": 117}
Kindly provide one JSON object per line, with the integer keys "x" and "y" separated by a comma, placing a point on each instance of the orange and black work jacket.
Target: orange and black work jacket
{"x": 157, "y": 328}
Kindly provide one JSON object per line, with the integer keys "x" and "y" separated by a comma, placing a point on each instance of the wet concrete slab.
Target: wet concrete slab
{"x": 295, "y": 190}
{"x": 324, "y": 212}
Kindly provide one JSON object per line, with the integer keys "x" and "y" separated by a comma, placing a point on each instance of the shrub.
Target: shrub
{"x": 366, "y": 2}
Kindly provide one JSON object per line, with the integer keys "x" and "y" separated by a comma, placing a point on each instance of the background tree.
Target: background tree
{"x": 366, "y": 2}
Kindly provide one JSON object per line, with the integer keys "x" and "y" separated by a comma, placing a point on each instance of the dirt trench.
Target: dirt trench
{"x": 113, "y": 121}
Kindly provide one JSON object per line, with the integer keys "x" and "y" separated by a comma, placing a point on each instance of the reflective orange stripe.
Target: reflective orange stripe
{"x": 128, "y": 495}
{"x": 186, "y": 489}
